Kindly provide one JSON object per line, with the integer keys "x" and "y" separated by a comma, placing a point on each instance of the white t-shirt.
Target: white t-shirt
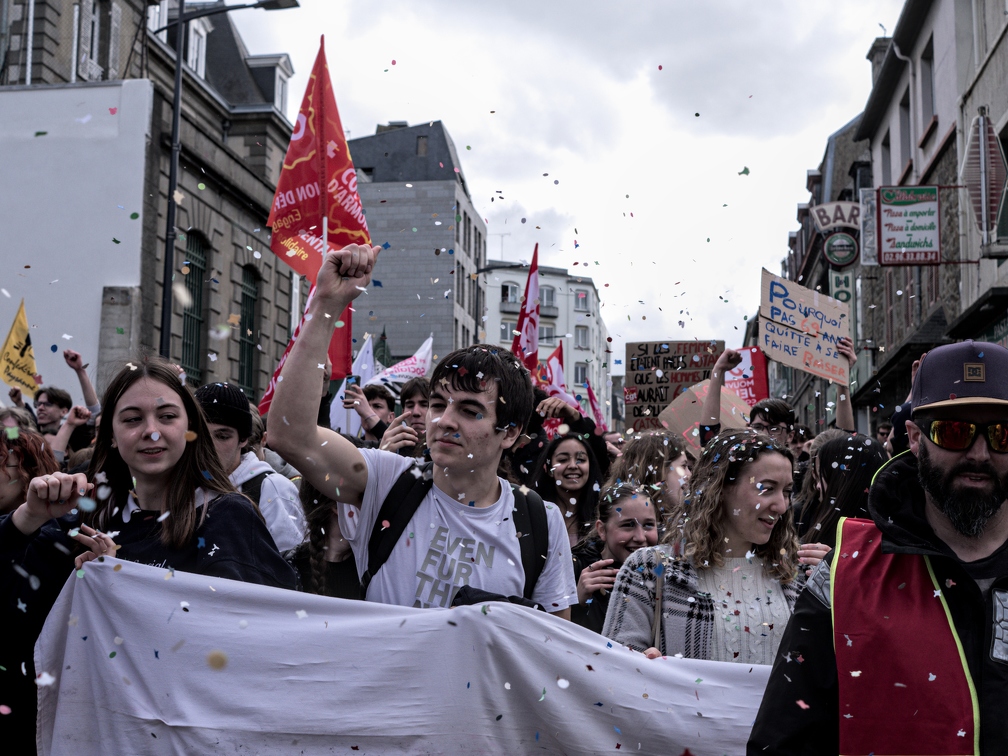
{"x": 448, "y": 544}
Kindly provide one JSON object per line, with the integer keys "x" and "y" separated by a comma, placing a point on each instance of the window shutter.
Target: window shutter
{"x": 83, "y": 67}
{"x": 113, "y": 54}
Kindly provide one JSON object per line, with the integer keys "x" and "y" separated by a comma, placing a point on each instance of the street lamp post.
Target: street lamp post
{"x": 176, "y": 147}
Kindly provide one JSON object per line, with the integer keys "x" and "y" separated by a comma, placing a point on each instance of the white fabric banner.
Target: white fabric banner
{"x": 141, "y": 660}
{"x": 364, "y": 367}
{"x": 417, "y": 366}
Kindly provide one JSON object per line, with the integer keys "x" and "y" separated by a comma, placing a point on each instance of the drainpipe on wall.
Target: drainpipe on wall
{"x": 31, "y": 39}
{"x": 76, "y": 41}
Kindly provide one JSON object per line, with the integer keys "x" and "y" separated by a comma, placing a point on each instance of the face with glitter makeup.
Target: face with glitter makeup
{"x": 755, "y": 502}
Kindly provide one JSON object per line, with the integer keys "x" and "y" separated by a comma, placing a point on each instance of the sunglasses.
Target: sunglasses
{"x": 958, "y": 435}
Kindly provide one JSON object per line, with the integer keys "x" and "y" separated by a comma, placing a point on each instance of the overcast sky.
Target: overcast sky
{"x": 643, "y": 115}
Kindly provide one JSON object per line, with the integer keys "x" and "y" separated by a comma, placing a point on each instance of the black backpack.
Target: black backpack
{"x": 404, "y": 499}
{"x": 253, "y": 487}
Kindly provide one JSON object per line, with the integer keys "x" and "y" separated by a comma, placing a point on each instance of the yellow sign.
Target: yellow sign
{"x": 17, "y": 360}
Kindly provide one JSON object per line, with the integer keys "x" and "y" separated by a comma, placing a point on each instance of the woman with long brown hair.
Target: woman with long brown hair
{"x": 155, "y": 481}
{"x": 722, "y": 582}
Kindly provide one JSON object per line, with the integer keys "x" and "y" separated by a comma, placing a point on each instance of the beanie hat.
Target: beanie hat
{"x": 226, "y": 404}
{"x": 968, "y": 372}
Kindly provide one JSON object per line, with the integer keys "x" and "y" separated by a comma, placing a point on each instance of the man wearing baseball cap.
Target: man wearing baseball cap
{"x": 899, "y": 643}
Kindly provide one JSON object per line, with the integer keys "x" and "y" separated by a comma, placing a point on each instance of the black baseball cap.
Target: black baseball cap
{"x": 968, "y": 372}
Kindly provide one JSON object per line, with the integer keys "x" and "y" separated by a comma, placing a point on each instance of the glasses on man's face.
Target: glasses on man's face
{"x": 959, "y": 435}
{"x": 770, "y": 430}
{"x": 43, "y": 405}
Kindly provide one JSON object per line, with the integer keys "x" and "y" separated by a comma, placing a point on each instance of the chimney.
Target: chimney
{"x": 877, "y": 54}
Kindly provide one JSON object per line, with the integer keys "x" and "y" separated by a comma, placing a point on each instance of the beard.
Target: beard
{"x": 969, "y": 510}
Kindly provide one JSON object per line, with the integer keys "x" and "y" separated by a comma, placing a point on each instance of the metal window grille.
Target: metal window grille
{"x": 192, "y": 316}
{"x": 248, "y": 331}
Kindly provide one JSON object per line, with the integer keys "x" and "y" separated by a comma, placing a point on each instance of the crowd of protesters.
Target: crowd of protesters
{"x": 768, "y": 546}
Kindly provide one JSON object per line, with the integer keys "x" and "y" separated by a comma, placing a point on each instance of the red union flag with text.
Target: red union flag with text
{"x": 316, "y": 206}
{"x": 526, "y": 341}
{"x": 318, "y": 179}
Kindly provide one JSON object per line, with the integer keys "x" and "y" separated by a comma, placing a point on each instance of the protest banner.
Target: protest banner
{"x": 801, "y": 328}
{"x": 316, "y": 208}
{"x": 132, "y": 662}
{"x": 682, "y": 417}
{"x": 909, "y": 225}
{"x": 18, "y": 358}
{"x": 658, "y": 371}
{"x": 418, "y": 365}
{"x": 749, "y": 379}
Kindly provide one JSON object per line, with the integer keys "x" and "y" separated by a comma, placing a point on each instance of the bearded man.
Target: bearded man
{"x": 899, "y": 644}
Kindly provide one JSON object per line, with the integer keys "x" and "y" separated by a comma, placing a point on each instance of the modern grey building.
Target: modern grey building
{"x": 419, "y": 209}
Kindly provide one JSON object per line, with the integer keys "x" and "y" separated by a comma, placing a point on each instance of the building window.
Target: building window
{"x": 509, "y": 293}
{"x": 507, "y": 329}
{"x": 904, "y": 122}
{"x": 547, "y": 334}
{"x": 581, "y": 337}
{"x": 580, "y": 374}
{"x": 927, "y": 82}
{"x": 421, "y": 146}
{"x": 547, "y": 296}
{"x": 192, "y": 316}
{"x": 196, "y": 51}
{"x": 157, "y": 17}
{"x": 249, "y": 330}
{"x": 886, "y": 159}
{"x": 90, "y": 42}
{"x": 280, "y": 92}
{"x": 581, "y": 300}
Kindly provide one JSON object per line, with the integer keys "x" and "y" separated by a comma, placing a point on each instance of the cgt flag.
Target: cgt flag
{"x": 526, "y": 342}
{"x": 316, "y": 206}
{"x": 318, "y": 181}
{"x": 17, "y": 357}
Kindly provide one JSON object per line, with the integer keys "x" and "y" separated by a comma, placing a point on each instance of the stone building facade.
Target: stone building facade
{"x": 233, "y": 304}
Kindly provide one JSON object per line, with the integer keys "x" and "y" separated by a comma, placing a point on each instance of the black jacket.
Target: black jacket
{"x": 590, "y": 614}
{"x": 805, "y": 669}
{"x": 232, "y": 542}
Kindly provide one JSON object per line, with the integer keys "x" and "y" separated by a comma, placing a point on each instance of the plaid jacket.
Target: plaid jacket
{"x": 687, "y": 613}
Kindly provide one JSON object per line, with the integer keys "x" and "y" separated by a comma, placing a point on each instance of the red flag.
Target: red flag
{"x": 318, "y": 181}
{"x": 526, "y": 343}
{"x": 595, "y": 408}
{"x": 550, "y": 378}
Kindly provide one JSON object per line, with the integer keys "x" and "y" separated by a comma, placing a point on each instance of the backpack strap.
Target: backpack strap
{"x": 533, "y": 535}
{"x": 398, "y": 509}
{"x": 253, "y": 487}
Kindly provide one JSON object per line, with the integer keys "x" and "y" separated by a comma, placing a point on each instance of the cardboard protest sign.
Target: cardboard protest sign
{"x": 749, "y": 378}
{"x": 801, "y": 328}
{"x": 682, "y": 417}
{"x": 658, "y": 371}
{"x": 17, "y": 357}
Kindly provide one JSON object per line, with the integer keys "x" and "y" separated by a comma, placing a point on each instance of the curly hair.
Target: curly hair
{"x": 545, "y": 484}
{"x": 34, "y": 458}
{"x": 700, "y": 521}
{"x": 644, "y": 461}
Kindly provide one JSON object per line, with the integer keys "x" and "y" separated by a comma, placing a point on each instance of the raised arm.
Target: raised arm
{"x": 330, "y": 463}
{"x": 845, "y": 407}
{"x": 76, "y": 363}
{"x": 710, "y": 412}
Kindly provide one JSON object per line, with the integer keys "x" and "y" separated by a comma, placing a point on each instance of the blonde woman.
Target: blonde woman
{"x": 722, "y": 582}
